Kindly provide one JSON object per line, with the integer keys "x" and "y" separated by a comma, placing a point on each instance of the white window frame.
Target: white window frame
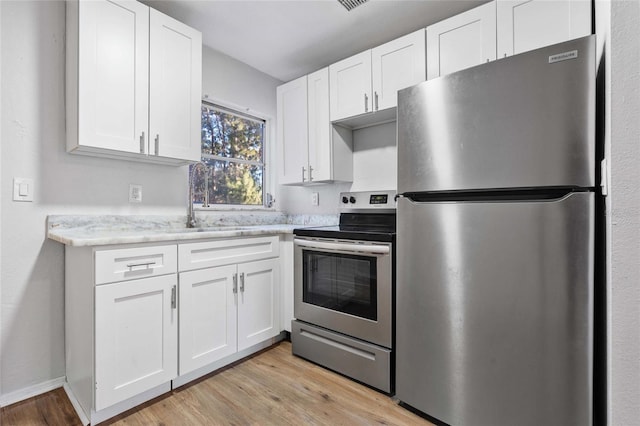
{"x": 269, "y": 176}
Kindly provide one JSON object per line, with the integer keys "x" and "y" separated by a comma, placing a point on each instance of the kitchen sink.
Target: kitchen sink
{"x": 208, "y": 229}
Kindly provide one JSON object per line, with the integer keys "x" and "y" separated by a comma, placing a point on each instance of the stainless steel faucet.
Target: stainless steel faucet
{"x": 191, "y": 214}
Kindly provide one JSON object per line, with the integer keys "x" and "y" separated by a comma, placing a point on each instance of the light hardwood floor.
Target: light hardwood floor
{"x": 271, "y": 388}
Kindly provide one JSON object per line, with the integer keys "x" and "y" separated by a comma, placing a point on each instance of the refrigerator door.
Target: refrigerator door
{"x": 519, "y": 122}
{"x": 494, "y": 311}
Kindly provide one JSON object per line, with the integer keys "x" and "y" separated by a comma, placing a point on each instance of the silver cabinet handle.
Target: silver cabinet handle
{"x": 375, "y": 99}
{"x": 242, "y": 282}
{"x": 235, "y": 283}
{"x": 173, "y": 298}
{"x": 303, "y": 170}
{"x": 134, "y": 265}
{"x": 310, "y": 175}
{"x": 142, "y": 143}
{"x": 366, "y": 103}
{"x": 157, "y": 140}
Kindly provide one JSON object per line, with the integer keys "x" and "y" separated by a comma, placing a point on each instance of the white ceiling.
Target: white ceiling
{"x": 287, "y": 39}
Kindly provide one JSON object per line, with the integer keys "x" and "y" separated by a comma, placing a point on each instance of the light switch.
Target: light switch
{"x": 22, "y": 189}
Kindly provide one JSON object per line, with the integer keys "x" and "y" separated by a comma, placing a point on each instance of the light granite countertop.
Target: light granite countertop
{"x": 108, "y": 230}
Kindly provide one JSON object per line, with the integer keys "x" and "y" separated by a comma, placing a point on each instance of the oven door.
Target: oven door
{"x": 345, "y": 286}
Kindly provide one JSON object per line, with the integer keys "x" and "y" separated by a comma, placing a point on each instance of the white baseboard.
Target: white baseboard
{"x": 76, "y": 405}
{"x": 31, "y": 391}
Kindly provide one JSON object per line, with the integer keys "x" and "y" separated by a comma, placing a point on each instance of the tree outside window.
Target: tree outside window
{"x": 233, "y": 149}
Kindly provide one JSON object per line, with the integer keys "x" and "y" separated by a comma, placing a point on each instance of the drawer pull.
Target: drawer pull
{"x": 135, "y": 265}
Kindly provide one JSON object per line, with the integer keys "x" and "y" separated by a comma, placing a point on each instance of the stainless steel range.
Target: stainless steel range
{"x": 344, "y": 290}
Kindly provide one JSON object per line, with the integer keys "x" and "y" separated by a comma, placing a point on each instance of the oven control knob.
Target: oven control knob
{"x": 345, "y": 200}
{"x": 352, "y": 200}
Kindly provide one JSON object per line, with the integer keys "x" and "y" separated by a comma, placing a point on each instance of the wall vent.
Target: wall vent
{"x": 350, "y": 4}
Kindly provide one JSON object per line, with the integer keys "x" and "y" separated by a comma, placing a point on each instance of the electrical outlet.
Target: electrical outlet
{"x": 135, "y": 193}
{"x": 315, "y": 200}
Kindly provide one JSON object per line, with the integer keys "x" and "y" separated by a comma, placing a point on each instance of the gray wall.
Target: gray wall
{"x": 33, "y": 145}
{"x": 624, "y": 214}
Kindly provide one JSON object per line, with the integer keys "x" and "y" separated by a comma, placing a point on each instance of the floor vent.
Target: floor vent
{"x": 350, "y": 4}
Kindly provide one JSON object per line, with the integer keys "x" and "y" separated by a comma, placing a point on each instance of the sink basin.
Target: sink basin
{"x": 207, "y": 229}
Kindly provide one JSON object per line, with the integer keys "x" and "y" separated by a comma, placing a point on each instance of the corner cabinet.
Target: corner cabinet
{"x": 133, "y": 79}
{"x": 369, "y": 81}
{"x": 292, "y": 137}
{"x": 310, "y": 149}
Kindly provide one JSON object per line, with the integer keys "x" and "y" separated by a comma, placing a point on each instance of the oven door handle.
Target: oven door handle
{"x": 343, "y": 247}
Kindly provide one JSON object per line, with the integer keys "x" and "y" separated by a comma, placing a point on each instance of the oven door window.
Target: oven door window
{"x": 341, "y": 282}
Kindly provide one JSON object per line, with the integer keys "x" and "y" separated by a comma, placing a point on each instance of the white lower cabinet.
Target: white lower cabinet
{"x": 121, "y": 326}
{"x": 138, "y": 317}
{"x": 207, "y": 316}
{"x": 258, "y": 305}
{"x": 136, "y": 337}
{"x": 227, "y": 309}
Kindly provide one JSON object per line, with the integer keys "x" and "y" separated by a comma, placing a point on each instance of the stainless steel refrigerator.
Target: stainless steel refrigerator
{"x": 495, "y": 257}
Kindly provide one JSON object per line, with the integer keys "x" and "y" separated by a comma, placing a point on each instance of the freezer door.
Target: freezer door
{"x": 494, "y": 311}
{"x": 523, "y": 121}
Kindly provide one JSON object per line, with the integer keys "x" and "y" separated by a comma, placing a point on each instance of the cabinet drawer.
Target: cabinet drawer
{"x": 225, "y": 252}
{"x": 133, "y": 263}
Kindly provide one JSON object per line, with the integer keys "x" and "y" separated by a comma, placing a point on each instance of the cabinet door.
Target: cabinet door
{"x": 319, "y": 126}
{"x": 113, "y": 65}
{"x": 292, "y": 131}
{"x": 207, "y": 316}
{"x": 175, "y": 85}
{"x": 350, "y": 86}
{"x": 136, "y": 333}
{"x": 258, "y": 305}
{"x": 531, "y": 24}
{"x": 463, "y": 41}
{"x": 395, "y": 65}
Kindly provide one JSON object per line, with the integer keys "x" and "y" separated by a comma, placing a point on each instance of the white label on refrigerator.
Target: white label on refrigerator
{"x": 563, "y": 56}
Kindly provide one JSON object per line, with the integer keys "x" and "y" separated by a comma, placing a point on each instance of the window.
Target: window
{"x": 233, "y": 150}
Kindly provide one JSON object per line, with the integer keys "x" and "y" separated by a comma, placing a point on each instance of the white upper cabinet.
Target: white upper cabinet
{"x": 396, "y": 65}
{"x": 531, "y": 24}
{"x": 463, "y": 41}
{"x": 133, "y": 83}
{"x": 350, "y": 86}
{"x": 292, "y": 131}
{"x": 111, "y": 75}
{"x": 310, "y": 149}
{"x": 369, "y": 81}
{"x": 175, "y": 81}
{"x": 319, "y": 129}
